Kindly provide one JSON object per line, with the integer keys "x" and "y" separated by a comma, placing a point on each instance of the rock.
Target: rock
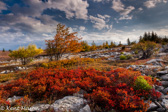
{"x": 3, "y": 72}
{"x": 161, "y": 109}
{"x": 161, "y": 97}
{"x": 162, "y": 72}
{"x": 159, "y": 88}
{"x": 155, "y": 62}
{"x": 39, "y": 107}
{"x": 68, "y": 104}
{"x": 162, "y": 54}
{"x": 132, "y": 66}
{"x": 164, "y": 83}
{"x": 165, "y": 103}
{"x": 164, "y": 77}
{"x": 13, "y": 99}
{"x": 80, "y": 93}
{"x": 166, "y": 96}
{"x": 166, "y": 67}
{"x": 165, "y": 91}
{"x": 152, "y": 107}
{"x": 85, "y": 109}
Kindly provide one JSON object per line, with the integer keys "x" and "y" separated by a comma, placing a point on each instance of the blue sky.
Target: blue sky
{"x": 34, "y": 21}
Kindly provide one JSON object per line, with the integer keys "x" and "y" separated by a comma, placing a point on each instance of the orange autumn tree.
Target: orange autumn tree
{"x": 63, "y": 42}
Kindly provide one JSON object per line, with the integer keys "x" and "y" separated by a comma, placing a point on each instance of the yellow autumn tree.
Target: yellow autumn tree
{"x": 63, "y": 42}
{"x": 147, "y": 48}
{"x": 25, "y": 54}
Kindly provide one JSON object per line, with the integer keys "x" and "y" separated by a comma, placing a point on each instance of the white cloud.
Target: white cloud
{"x": 100, "y": 21}
{"x": 75, "y": 8}
{"x": 119, "y": 7}
{"x": 82, "y": 28}
{"x": 140, "y": 9}
{"x": 125, "y": 17}
{"x": 115, "y": 35}
{"x": 2, "y": 6}
{"x": 152, "y": 3}
{"x": 103, "y": 17}
{"x": 101, "y": 0}
{"x": 97, "y": 0}
{"x": 43, "y": 24}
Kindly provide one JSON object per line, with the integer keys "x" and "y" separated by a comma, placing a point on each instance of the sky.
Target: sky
{"x": 33, "y": 21}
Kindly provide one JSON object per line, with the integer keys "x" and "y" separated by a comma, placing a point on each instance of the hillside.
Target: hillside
{"x": 4, "y": 55}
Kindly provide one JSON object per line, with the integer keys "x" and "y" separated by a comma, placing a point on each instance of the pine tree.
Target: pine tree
{"x": 128, "y": 42}
{"x": 3, "y": 50}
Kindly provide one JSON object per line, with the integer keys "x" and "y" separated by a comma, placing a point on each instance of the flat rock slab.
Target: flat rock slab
{"x": 152, "y": 107}
{"x": 164, "y": 77}
{"x": 69, "y": 104}
{"x": 164, "y": 83}
{"x": 13, "y": 99}
{"x": 160, "y": 73}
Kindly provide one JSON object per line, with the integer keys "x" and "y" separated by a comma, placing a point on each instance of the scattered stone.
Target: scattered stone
{"x": 85, "y": 109}
{"x": 159, "y": 88}
{"x": 80, "y": 93}
{"x": 161, "y": 109}
{"x": 164, "y": 83}
{"x": 155, "y": 62}
{"x": 69, "y": 103}
{"x": 3, "y": 72}
{"x": 165, "y": 103}
{"x": 161, "y": 54}
{"x": 164, "y": 77}
{"x": 166, "y": 67}
{"x": 152, "y": 107}
{"x": 162, "y": 72}
{"x": 13, "y": 99}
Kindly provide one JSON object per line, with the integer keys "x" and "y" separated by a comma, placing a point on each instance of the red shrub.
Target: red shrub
{"x": 107, "y": 89}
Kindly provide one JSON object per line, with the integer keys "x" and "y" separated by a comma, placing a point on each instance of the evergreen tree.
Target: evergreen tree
{"x": 112, "y": 44}
{"x": 120, "y": 44}
{"x": 128, "y": 42}
{"x": 106, "y": 45}
{"x": 3, "y": 50}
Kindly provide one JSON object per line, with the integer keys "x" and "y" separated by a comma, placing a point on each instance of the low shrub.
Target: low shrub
{"x": 141, "y": 83}
{"x": 123, "y": 57}
{"x": 129, "y": 57}
{"x": 104, "y": 89}
{"x": 68, "y": 63}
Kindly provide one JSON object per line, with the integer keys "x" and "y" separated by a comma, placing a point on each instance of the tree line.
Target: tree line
{"x": 66, "y": 42}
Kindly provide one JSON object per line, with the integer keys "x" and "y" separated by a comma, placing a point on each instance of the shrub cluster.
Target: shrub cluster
{"x": 68, "y": 63}
{"x": 125, "y": 57}
{"x": 114, "y": 89}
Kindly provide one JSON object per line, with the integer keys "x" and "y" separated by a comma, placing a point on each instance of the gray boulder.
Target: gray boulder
{"x": 160, "y": 73}
{"x": 155, "y": 62}
{"x": 164, "y": 83}
{"x": 159, "y": 88}
{"x": 69, "y": 104}
{"x": 166, "y": 67}
{"x": 165, "y": 103}
{"x": 164, "y": 77}
{"x": 12, "y": 100}
{"x": 85, "y": 109}
{"x": 152, "y": 107}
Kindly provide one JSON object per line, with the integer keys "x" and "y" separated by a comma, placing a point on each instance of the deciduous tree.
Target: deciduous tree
{"x": 147, "y": 48}
{"x": 25, "y": 54}
{"x": 63, "y": 42}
